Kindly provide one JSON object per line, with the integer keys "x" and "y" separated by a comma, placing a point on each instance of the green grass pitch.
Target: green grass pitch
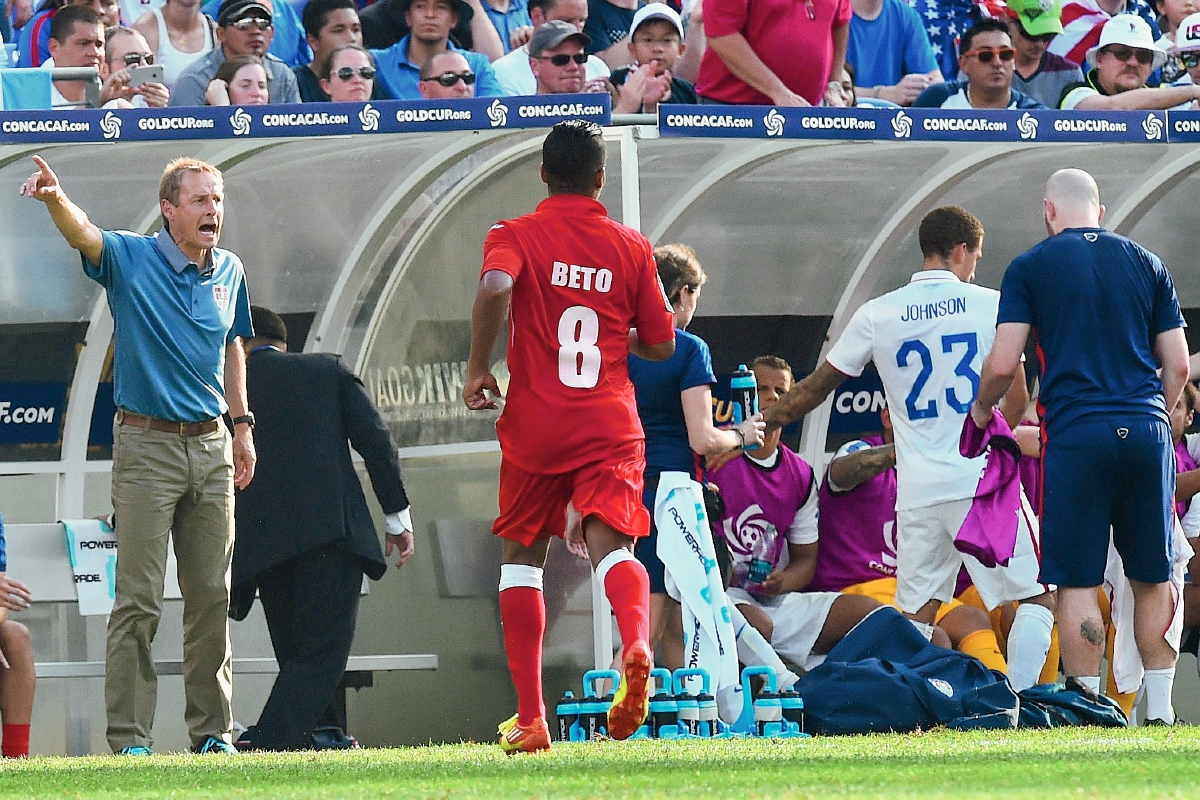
{"x": 1079, "y": 762}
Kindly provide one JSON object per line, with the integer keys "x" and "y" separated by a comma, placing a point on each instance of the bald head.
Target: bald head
{"x": 1072, "y": 201}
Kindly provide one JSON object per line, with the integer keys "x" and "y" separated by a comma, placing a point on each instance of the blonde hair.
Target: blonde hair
{"x": 172, "y": 177}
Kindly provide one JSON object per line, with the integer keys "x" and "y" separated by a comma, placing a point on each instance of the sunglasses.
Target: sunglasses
{"x": 1122, "y": 53}
{"x": 131, "y": 59}
{"x": 251, "y": 22}
{"x": 1189, "y": 60}
{"x": 986, "y": 54}
{"x": 562, "y": 59}
{"x": 348, "y": 73}
{"x": 448, "y": 79}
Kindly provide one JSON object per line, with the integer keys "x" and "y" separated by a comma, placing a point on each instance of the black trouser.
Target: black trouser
{"x": 311, "y": 604}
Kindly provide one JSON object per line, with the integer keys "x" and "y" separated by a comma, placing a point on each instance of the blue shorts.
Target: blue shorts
{"x": 646, "y": 548}
{"x": 1102, "y": 471}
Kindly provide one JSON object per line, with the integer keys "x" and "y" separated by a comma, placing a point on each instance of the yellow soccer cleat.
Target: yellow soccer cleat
{"x": 515, "y": 738}
{"x": 632, "y": 702}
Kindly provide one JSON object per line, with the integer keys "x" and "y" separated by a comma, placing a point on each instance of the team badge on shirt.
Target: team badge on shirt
{"x": 221, "y": 296}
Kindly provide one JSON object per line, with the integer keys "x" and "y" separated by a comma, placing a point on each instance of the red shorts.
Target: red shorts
{"x": 533, "y": 506}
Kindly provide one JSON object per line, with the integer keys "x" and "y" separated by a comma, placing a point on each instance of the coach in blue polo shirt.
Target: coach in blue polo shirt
{"x": 180, "y": 310}
{"x": 1104, "y": 310}
{"x": 430, "y": 23}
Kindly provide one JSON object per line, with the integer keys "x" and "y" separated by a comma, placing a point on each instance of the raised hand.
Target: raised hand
{"x": 42, "y": 185}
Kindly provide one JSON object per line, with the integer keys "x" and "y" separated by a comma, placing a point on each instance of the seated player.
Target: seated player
{"x": 857, "y": 531}
{"x": 770, "y": 498}
{"x": 16, "y": 664}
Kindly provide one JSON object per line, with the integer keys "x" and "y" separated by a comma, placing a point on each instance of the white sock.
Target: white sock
{"x": 925, "y": 629}
{"x": 1028, "y": 644}
{"x": 752, "y": 648}
{"x": 513, "y": 575}
{"x": 1091, "y": 682}
{"x": 610, "y": 561}
{"x": 1158, "y": 683}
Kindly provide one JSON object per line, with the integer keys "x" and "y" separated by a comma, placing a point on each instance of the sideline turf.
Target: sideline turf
{"x": 1033, "y": 764}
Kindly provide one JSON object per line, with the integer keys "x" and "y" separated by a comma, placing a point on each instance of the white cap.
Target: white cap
{"x": 1131, "y": 31}
{"x": 1187, "y": 35}
{"x": 657, "y": 11}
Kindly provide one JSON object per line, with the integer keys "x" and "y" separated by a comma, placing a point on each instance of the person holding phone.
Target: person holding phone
{"x": 133, "y": 77}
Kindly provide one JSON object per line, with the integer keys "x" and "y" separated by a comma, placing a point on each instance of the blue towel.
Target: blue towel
{"x": 24, "y": 89}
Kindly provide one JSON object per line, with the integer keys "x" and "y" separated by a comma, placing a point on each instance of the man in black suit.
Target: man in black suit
{"x": 304, "y": 534}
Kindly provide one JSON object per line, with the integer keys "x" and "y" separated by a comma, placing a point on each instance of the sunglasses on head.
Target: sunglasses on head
{"x": 348, "y": 73}
{"x": 1122, "y": 53}
{"x": 562, "y": 59}
{"x": 448, "y": 79}
{"x": 1189, "y": 60}
{"x": 131, "y": 59}
{"x": 986, "y": 54}
{"x": 251, "y": 22}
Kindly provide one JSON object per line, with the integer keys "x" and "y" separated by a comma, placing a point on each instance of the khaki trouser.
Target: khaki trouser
{"x": 163, "y": 483}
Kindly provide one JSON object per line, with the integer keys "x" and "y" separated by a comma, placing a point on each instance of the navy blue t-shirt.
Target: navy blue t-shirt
{"x": 658, "y": 385}
{"x": 606, "y": 24}
{"x": 1096, "y": 301}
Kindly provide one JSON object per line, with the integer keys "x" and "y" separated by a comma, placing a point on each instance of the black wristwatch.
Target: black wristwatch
{"x": 247, "y": 418}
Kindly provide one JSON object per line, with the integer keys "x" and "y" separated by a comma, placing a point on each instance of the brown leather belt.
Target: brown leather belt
{"x": 165, "y": 425}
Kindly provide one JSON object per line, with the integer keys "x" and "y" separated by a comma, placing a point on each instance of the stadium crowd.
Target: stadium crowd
{"x": 1079, "y": 54}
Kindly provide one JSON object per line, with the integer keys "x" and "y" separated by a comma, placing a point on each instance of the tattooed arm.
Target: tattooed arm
{"x": 848, "y": 471}
{"x": 804, "y": 396}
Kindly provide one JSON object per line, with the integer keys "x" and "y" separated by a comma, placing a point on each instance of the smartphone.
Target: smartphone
{"x": 151, "y": 73}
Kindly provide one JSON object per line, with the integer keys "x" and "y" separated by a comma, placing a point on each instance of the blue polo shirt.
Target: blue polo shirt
{"x": 506, "y": 22}
{"x": 1096, "y": 301}
{"x": 658, "y": 386}
{"x": 172, "y": 323}
{"x": 401, "y": 77}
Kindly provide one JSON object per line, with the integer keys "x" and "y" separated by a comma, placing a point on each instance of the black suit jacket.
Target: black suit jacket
{"x": 309, "y": 409}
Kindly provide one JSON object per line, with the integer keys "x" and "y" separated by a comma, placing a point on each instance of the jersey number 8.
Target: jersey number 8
{"x": 578, "y": 356}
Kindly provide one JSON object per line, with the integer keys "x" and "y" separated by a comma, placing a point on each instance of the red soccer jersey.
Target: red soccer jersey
{"x": 580, "y": 282}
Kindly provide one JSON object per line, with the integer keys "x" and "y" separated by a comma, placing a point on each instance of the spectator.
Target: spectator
{"x": 240, "y": 81}
{"x": 181, "y": 311}
{"x": 445, "y": 76}
{"x": 774, "y": 52}
{"x": 244, "y": 29}
{"x": 656, "y": 43}
{"x": 1084, "y": 20}
{"x": 513, "y": 72}
{"x": 349, "y": 75}
{"x": 33, "y": 46}
{"x": 1121, "y": 64}
{"x": 608, "y": 24}
{"x": 288, "y": 43}
{"x": 387, "y": 22}
{"x": 890, "y": 51}
{"x": 109, "y": 11}
{"x": 1171, "y": 14}
{"x": 511, "y": 20}
{"x": 17, "y": 676}
{"x": 557, "y": 56}
{"x": 770, "y": 497}
{"x": 1037, "y": 72}
{"x": 674, "y": 404}
{"x": 307, "y": 557}
{"x": 329, "y": 25}
{"x": 987, "y": 61}
{"x": 76, "y": 40}
{"x": 431, "y": 22}
{"x": 1187, "y": 50}
{"x": 178, "y": 34}
{"x": 945, "y": 21}
{"x": 857, "y": 529}
{"x": 125, "y": 49}
{"x": 1106, "y": 314}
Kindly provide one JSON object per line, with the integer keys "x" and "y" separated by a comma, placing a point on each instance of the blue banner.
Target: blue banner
{"x": 1183, "y": 126}
{"x": 856, "y": 404}
{"x": 913, "y": 124}
{"x": 31, "y": 413}
{"x": 305, "y": 119}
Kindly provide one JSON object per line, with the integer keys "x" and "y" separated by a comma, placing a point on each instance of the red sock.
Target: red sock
{"x": 16, "y": 741}
{"x": 523, "y": 614}
{"x": 628, "y": 590}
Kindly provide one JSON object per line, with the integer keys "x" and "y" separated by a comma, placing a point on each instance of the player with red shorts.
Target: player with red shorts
{"x": 573, "y": 283}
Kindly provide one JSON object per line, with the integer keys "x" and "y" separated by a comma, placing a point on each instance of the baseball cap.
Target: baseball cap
{"x": 552, "y": 34}
{"x": 1187, "y": 36}
{"x": 1037, "y": 17}
{"x": 233, "y": 10}
{"x": 1131, "y": 31}
{"x": 656, "y": 11}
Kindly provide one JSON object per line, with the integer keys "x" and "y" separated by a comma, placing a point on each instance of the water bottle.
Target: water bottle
{"x": 663, "y": 709}
{"x": 567, "y": 713}
{"x": 743, "y": 397}
{"x": 708, "y": 714}
{"x": 768, "y": 714}
{"x": 593, "y": 709}
{"x": 689, "y": 714}
{"x": 793, "y": 709}
{"x": 762, "y": 559}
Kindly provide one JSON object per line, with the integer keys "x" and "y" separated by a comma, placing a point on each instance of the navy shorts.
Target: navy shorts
{"x": 646, "y": 548}
{"x": 1102, "y": 471}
